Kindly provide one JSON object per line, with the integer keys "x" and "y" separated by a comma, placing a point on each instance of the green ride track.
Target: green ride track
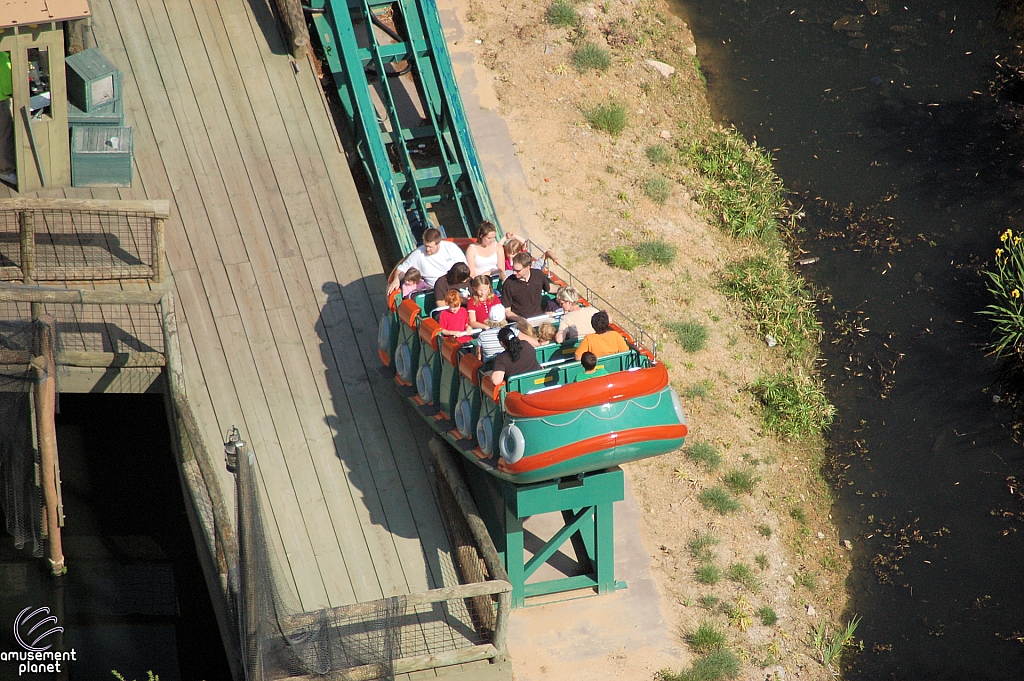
{"x": 395, "y": 80}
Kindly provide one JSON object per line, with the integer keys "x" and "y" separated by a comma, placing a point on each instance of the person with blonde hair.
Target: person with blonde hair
{"x": 527, "y": 333}
{"x": 482, "y": 300}
{"x": 546, "y": 333}
{"x": 575, "y": 322}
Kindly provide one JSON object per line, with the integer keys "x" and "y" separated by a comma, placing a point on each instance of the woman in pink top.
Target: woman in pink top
{"x": 455, "y": 320}
{"x": 481, "y": 300}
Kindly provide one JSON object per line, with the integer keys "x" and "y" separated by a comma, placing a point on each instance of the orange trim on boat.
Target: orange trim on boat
{"x": 429, "y": 331}
{"x": 450, "y": 351}
{"x": 594, "y": 444}
{"x": 622, "y": 385}
{"x": 385, "y": 359}
{"x": 409, "y": 312}
{"x": 488, "y": 388}
{"x": 468, "y": 367}
{"x": 393, "y": 299}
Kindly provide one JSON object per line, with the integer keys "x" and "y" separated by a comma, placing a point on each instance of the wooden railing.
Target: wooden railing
{"x": 82, "y": 240}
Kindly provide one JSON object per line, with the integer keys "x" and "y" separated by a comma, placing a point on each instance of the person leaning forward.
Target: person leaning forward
{"x": 523, "y": 292}
{"x": 433, "y": 259}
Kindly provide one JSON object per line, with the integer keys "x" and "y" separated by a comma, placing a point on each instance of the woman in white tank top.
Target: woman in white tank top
{"x": 482, "y": 256}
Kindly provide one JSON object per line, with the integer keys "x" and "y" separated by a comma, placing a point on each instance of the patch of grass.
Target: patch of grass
{"x": 741, "y": 482}
{"x": 701, "y": 389}
{"x": 705, "y": 638}
{"x": 831, "y": 562}
{"x": 741, "y": 573}
{"x": 798, "y": 514}
{"x": 705, "y": 454}
{"x": 709, "y": 574}
{"x": 739, "y": 614}
{"x": 717, "y": 665}
{"x": 659, "y": 154}
{"x": 709, "y": 601}
{"x": 610, "y": 117}
{"x": 793, "y": 406}
{"x": 656, "y": 252}
{"x": 764, "y": 530}
{"x": 806, "y": 579}
{"x": 762, "y": 561}
{"x": 767, "y": 615}
{"x": 740, "y": 186}
{"x": 830, "y": 645}
{"x": 700, "y": 546}
{"x": 691, "y": 336}
{"x": 657, "y": 188}
{"x": 562, "y": 13}
{"x": 777, "y": 299}
{"x": 719, "y": 500}
{"x": 591, "y": 57}
{"x": 624, "y": 257}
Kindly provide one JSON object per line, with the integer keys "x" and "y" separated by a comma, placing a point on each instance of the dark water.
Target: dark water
{"x": 134, "y": 598}
{"x": 896, "y": 117}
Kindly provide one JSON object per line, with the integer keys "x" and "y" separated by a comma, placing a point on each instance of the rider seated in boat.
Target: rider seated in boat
{"x": 518, "y": 358}
{"x": 456, "y": 279}
{"x": 590, "y": 369}
{"x": 523, "y": 292}
{"x": 575, "y": 322}
{"x": 455, "y": 320}
{"x": 433, "y": 259}
{"x": 481, "y": 301}
{"x": 484, "y": 255}
{"x": 604, "y": 341}
{"x": 412, "y": 283}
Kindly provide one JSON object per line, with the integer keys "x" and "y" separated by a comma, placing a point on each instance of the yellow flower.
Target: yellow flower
{"x": 1015, "y": 293}
{"x": 1016, "y": 240}
{"x": 999, "y": 252}
{"x": 1006, "y": 235}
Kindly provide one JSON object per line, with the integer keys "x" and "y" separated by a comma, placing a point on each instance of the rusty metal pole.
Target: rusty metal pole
{"x": 45, "y": 366}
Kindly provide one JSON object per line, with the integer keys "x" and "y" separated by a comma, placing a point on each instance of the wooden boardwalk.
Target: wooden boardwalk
{"x": 279, "y": 287}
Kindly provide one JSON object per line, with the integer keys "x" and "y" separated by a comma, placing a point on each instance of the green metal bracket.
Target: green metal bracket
{"x": 417, "y": 163}
{"x": 586, "y": 505}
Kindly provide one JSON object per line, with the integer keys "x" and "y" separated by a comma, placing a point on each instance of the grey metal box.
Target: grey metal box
{"x": 92, "y": 80}
{"x": 101, "y": 156}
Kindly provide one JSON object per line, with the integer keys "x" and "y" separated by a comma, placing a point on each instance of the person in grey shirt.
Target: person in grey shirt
{"x": 575, "y": 322}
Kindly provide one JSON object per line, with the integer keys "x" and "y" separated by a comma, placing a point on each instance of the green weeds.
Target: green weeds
{"x": 709, "y": 601}
{"x": 741, "y": 482}
{"x": 740, "y": 186}
{"x": 767, "y": 615}
{"x": 609, "y": 117}
{"x": 700, "y": 547}
{"x": 656, "y": 252}
{"x": 562, "y": 13}
{"x": 691, "y": 336}
{"x": 719, "y": 500}
{"x": 624, "y": 257}
{"x": 701, "y": 389}
{"x": 705, "y": 454}
{"x": 762, "y": 561}
{"x": 708, "y": 574}
{"x": 777, "y": 300}
{"x": 659, "y": 154}
{"x": 764, "y": 530}
{"x": 806, "y": 579}
{"x": 831, "y": 644}
{"x": 705, "y": 638}
{"x": 743, "y": 574}
{"x": 717, "y": 665}
{"x": 591, "y": 57}
{"x": 793, "y": 406}
{"x": 657, "y": 188}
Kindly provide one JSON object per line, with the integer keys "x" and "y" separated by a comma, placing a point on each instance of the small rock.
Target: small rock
{"x": 789, "y": 578}
{"x": 821, "y": 535}
{"x": 691, "y": 50}
{"x": 665, "y": 135}
{"x": 810, "y": 610}
{"x": 776, "y": 673}
{"x": 479, "y": 42}
{"x": 548, "y": 49}
{"x": 848, "y": 545}
{"x": 770, "y": 340}
{"x": 661, "y": 67}
{"x": 996, "y": 399}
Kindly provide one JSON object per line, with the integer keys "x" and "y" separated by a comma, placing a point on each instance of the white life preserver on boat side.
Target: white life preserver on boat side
{"x": 483, "y": 435}
{"x": 403, "y": 363}
{"x": 511, "y": 444}
{"x": 384, "y": 333}
{"x": 678, "y": 406}
{"x": 463, "y": 417}
{"x": 425, "y": 383}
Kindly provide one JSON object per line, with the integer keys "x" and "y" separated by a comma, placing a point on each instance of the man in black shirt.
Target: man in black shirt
{"x": 522, "y": 294}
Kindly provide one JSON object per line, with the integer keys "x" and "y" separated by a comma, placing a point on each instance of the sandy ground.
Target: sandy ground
{"x": 578, "y": 191}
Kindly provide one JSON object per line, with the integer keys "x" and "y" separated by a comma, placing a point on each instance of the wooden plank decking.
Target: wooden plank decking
{"x": 279, "y": 287}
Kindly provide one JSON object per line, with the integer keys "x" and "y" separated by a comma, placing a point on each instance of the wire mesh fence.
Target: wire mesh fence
{"x": 90, "y": 327}
{"x": 69, "y": 242}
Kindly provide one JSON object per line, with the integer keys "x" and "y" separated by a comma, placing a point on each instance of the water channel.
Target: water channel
{"x": 134, "y": 598}
{"x": 882, "y": 120}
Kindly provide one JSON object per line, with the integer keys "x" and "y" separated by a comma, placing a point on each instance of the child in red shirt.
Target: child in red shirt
{"x": 455, "y": 320}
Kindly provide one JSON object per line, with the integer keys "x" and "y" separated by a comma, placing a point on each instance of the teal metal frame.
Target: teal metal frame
{"x": 445, "y": 182}
{"x": 586, "y": 505}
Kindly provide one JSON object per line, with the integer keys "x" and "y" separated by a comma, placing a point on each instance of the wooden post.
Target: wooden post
{"x": 28, "y": 245}
{"x": 46, "y": 400}
{"x": 158, "y": 249}
{"x": 294, "y": 21}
